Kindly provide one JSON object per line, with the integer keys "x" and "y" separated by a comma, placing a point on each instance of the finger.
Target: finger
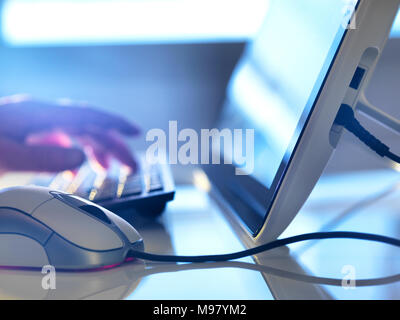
{"x": 55, "y": 138}
{"x": 42, "y": 116}
{"x": 61, "y": 139}
{"x": 99, "y": 155}
{"x": 99, "y": 146}
{"x": 117, "y": 148}
{"x": 18, "y": 157}
{"x": 111, "y": 144}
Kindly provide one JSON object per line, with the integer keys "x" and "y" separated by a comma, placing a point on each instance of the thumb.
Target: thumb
{"x": 20, "y": 157}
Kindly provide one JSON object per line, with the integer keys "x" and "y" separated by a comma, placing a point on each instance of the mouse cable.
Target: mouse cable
{"x": 266, "y": 247}
{"x": 345, "y": 118}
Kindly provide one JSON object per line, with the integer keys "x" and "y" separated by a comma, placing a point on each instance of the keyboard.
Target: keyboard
{"x": 146, "y": 191}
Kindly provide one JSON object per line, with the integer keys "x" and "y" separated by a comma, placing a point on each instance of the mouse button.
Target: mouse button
{"x": 20, "y": 251}
{"x": 77, "y": 226}
{"x": 102, "y": 214}
{"x": 12, "y": 221}
{"x": 24, "y": 198}
{"x": 129, "y": 231}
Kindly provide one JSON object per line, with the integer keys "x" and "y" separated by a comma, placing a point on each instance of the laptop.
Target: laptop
{"x": 309, "y": 57}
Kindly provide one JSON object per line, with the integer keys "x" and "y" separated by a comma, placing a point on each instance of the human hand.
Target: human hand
{"x": 35, "y": 136}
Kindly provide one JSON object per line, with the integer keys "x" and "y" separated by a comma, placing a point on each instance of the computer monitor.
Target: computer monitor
{"x": 309, "y": 57}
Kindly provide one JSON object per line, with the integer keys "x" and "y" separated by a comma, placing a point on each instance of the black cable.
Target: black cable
{"x": 347, "y": 119}
{"x": 393, "y": 157}
{"x": 266, "y": 247}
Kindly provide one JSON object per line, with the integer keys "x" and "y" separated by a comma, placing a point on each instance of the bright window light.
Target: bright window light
{"x": 62, "y": 22}
{"x": 396, "y": 27}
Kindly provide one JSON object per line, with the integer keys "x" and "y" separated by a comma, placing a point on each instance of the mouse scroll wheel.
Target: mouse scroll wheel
{"x": 96, "y": 212}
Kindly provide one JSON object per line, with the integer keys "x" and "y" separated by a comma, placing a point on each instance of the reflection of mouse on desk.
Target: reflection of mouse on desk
{"x": 42, "y": 227}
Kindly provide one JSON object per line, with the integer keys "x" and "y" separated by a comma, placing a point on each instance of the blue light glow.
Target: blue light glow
{"x": 61, "y": 22}
{"x": 396, "y": 27}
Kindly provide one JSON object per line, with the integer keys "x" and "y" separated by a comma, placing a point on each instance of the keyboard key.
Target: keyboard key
{"x": 62, "y": 180}
{"x": 108, "y": 190}
{"x": 86, "y": 185}
{"x": 155, "y": 180}
{"x": 155, "y": 187}
{"x": 155, "y": 183}
{"x": 83, "y": 193}
{"x": 133, "y": 186}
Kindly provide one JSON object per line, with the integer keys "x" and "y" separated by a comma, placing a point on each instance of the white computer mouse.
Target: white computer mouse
{"x": 39, "y": 227}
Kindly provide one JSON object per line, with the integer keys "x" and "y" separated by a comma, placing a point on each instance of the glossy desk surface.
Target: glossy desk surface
{"x": 193, "y": 224}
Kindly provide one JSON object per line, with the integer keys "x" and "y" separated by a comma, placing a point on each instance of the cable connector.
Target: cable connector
{"x": 347, "y": 119}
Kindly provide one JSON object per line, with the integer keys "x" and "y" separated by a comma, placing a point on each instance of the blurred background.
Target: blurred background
{"x": 149, "y": 60}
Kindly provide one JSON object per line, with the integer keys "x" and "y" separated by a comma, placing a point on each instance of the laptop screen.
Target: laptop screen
{"x": 278, "y": 80}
